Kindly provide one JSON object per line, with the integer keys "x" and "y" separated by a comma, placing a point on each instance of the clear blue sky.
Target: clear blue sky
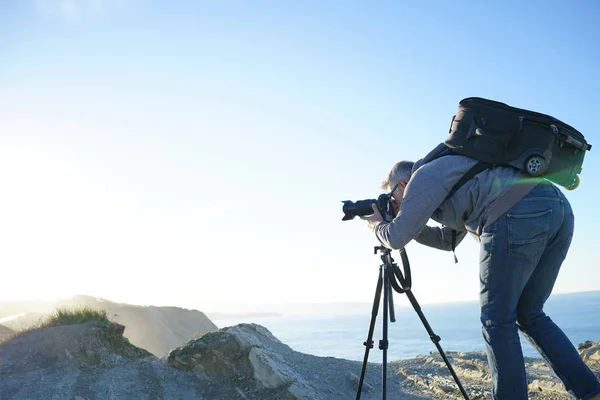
{"x": 196, "y": 153}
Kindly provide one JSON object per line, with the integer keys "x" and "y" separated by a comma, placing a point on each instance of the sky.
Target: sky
{"x": 197, "y": 153}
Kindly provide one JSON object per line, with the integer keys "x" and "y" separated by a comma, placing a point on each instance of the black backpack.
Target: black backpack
{"x": 497, "y": 134}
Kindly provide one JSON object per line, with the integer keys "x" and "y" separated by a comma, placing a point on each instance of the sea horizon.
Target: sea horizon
{"x": 457, "y": 323}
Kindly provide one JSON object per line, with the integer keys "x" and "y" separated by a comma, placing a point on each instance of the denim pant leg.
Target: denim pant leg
{"x": 544, "y": 335}
{"x": 510, "y": 250}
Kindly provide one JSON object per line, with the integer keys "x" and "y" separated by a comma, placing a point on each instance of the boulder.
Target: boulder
{"x": 246, "y": 353}
{"x": 590, "y": 351}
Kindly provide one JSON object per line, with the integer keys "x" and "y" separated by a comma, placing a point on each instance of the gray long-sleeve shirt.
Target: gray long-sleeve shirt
{"x": 466, "y": 211}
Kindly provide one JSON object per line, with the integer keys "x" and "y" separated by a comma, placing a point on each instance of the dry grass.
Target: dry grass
{"x": 63, "y": 316}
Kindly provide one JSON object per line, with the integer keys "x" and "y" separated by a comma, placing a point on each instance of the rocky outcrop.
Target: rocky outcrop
{"x": 240, "y": 362}
{"x": 429, "y": 376}
{"x": 79, "y": 346}
{"x": 590, "y": 352}
{"x": 248, "y": 356}
{"x": 87, "y": 361}
{"x": 246, "y": 361}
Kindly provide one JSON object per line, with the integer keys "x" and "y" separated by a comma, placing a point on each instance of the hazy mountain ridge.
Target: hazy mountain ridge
{"x": 156, "y": 329}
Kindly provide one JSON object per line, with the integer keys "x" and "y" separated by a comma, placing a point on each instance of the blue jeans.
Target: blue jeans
{"x": 521, "y": 255}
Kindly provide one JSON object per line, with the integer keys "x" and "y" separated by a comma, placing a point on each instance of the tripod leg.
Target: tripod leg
{"x": 369, "y": 343}
{"x": 436, "y": 340}
{"x": 383, "y": 344}
{"x": 391, "y": 305}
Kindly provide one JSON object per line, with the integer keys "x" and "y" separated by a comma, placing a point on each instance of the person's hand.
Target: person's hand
{"x": 396, "y": 208}
{"x": 374, "y": 218}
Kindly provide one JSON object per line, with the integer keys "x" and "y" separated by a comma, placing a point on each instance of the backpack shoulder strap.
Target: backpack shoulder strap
{"x": 438, "y": 151}
{"x": 474, "y": 170}
{"x": 443, "y": 150}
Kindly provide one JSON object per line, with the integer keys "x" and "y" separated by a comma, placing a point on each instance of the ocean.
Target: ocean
{"x": 342, "y": 335}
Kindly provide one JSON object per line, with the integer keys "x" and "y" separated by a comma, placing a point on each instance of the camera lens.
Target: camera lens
{"x": 358, "y": 208}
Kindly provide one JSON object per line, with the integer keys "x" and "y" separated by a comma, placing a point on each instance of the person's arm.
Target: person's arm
{"x": 439, "y": 238}
{"x": 422, "y": 196}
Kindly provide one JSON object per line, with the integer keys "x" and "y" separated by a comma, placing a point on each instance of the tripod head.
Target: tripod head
{"x": 393, "y": 270}
{"x": 381, "y": 248}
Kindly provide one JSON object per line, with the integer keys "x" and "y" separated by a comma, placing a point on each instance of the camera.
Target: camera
{"x": 363, "y": 207}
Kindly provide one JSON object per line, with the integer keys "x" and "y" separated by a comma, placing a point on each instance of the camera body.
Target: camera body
{"x": 363, "y": 207}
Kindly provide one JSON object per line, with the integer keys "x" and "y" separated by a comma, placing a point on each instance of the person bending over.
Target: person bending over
{"x": 524, "y": 240}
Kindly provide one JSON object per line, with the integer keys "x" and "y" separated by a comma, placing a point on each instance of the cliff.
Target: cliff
{"x": 95, "y": 361}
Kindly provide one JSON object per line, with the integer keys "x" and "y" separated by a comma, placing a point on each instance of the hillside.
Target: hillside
{"x": 156, "y": 329}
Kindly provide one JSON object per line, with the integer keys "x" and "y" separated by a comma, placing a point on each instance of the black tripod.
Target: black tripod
{"x": 387, "y": 271}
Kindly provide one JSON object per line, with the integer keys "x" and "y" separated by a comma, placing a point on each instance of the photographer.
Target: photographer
{"x": 524, "y": 228}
